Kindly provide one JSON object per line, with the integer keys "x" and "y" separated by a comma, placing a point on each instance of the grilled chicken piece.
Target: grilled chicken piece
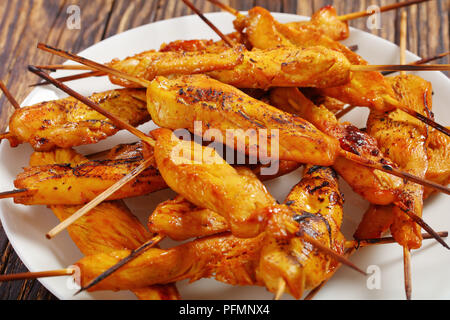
{"x": 149, "y": 64}
{"x": 202, "y": 45}
{"x": 326, "y": 20}
{"x": 438, "y": 150}
{"x": 184, "y": 101}
{"x": 70, "y": 184}
{"x": 375, "y": 222}
{"x": 180, "y": 220}
{"x": 368, "y": 89}
{"x": 108, "y": 227}
{"x": 376, "y": 186}
{"x": 254, "y": 261}
{"x": 289, "y": 67}
{"x": 403, "y": 139}
{"x": 67, "y": 122}
{"x": 317, "y": 204}
{"x": 204, "y": 178}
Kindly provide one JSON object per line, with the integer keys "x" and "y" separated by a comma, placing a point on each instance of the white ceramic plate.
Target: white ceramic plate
{"x": 26, "y": 226}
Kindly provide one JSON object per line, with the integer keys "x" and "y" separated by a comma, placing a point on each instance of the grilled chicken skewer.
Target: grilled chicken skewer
{"x": 75, "y": 184}
{"x": 375, "y": 186}
{"x": 262, "y": 69}
{"x": 368, "y": 89}
{"x": 258, "y": 263}
{"x": 68, "y": 123}
{"x": 108, "y": 227}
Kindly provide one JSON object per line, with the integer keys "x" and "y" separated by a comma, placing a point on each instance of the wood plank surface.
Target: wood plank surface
{"x": 25, "y": 22}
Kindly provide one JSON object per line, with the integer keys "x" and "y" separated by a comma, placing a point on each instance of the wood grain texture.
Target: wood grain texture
{"x": 25, "y": 22}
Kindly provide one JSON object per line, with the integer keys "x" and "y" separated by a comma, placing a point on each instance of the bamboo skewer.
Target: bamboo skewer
{"x": 100, "y": 198}
{"x": 54, "y": 67}
{"x": 117, "y": 121}
{"x": 361, "y": 14}
{"x": 406, "y": 67}
{"x": 34, "y": 275}
{"x": 403, "y": 31}
{"x": 345, "y": 17}
{"x": 225, "y": 38}
{"x": 9, "y": 96}
{"x": 135, "y": 253}
{"x": 407, "y": 272}
{"x": 386, "y": 240}
{"x": 343, "y": 112}
{"x": 280, "y": 290}
{"x": 14, "y": 193}
{"x": 406, "y": 251}
{"x": 331, "y": 253}
{"x": 72, "y": 78}
{"x": 422, "y": 61}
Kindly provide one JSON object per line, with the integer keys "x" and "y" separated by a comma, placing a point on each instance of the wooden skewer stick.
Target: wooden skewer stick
{"x": 9, "y": 96}
{"x": 406, "y": 67}
{"x": 406, "y": 251}
{"x": 346, "y": 17}
{"x": 332, "y": 253}
{"x": 135, "y": 253}
{"x": 394, "y": 6}
{"x": 386, "y": 240}
{"x": 394, "y": 171}
{"x": 225, "y": 7}
{"x": 343, "y": 112}
{"x": 100, "y": 198}
{"x": 14, "y": 193}
{"x": 117, "y": 121}
{"x": 403, "y": 31}
{"x": 407, "y": 272}
{"x": 225, "y": 38}
{"x": 94, "y": 65}
{"x": 280, "y": 290}
{"x": 422, "y": 61}
{"x": 421, "y": 223}
{"x": 34, "y": 275}
{"x": 72, "y": 78}
{"x": 63, "y": 67}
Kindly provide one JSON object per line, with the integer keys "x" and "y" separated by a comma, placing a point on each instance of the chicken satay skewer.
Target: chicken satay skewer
{"x": 346, "y": 17}
{"x": 69, "y": 271}
{"x": 345, "y": 111}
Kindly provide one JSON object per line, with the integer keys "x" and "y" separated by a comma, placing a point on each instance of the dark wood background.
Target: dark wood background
{"x": 25, "y": 22}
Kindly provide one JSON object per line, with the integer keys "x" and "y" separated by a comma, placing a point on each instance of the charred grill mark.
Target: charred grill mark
{"x": 314, "y": 169}
{"x": 322, "y": 185}
{"x": 307, "y": 215}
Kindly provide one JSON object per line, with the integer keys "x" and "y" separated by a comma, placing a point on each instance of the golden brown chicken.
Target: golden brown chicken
{"x": 108, "y": 227}
{"x": 284, "y": 66}
{"x": 204, "y": 178}
{"x": 438, "y": 151}
{"x": 149, "y": 64}
{"x": 376, "y": 186}
{"x": 67, "y": 122}
{"x": 66, "y": 183}
{"x": 255, "y": 261}
{"x": 184, "y": 101}
{"x": 368, "y": 89}
{"x": 403, "y": 139}
{"x": 326, "y": 20}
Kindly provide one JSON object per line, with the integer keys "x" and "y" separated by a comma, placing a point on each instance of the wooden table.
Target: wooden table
{"x": 25, "y": 22}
